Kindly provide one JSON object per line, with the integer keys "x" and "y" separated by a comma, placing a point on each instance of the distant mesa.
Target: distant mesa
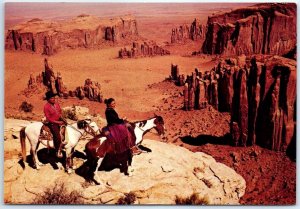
{"x": 145, "y": 49}
{"x": 83, "y": 31}
{"x": 268, "y": 28}
{"x": 194, "y": 32}
{"x": 83, "y": 15}
{"x": 35, "y": 20}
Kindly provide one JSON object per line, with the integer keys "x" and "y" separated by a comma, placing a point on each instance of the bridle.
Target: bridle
{"x": 150, "y": 130}
{"x": 88, "y": 129}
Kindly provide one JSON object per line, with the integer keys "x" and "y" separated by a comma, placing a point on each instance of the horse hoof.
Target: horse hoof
{"x": 128, "y": 174}
{"x": 40, "y": 164}
{"x": 98, "y": 182}
{"x": 37, "y": 167}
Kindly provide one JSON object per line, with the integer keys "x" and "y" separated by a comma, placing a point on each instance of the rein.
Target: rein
{"x": 92, "y": 132}
{"x": 141, "y": 129}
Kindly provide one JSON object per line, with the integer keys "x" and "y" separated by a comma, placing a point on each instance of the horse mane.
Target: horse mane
{"x": 136, "y": 122}
{"x": 142, "y": 121}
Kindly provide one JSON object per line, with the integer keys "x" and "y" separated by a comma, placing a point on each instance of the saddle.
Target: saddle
{"x": 45, "y": 134}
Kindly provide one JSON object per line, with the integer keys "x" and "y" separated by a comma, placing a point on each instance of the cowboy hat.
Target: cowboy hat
{"x": 49, "y": 95}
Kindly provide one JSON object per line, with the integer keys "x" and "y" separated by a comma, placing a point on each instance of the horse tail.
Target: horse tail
{"x": 23, "y": 143}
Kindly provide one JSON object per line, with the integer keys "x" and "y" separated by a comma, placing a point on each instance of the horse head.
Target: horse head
{"x": 89, "y": 126}
{"x": 159, "y": 125}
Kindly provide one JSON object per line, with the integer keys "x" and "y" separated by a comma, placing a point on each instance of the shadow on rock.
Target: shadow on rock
{"x": 79, "y": 154}
{"x": 206, "y": 139}
{"x": 86, "y": 170}
{"x": 145, "y": 149}
{"x": 46, "y": 156}
{"x": 291, "y": 151}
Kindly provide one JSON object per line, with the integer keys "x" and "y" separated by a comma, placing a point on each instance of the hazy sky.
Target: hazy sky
{"x": 56, "y": 10}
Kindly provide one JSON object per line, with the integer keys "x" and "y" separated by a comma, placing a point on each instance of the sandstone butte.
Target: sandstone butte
{"x": 48, "y": 37}
{"x": 258, "y": 29}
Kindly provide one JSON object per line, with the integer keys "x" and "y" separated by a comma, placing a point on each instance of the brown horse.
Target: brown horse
{"x": 102, "y": 145}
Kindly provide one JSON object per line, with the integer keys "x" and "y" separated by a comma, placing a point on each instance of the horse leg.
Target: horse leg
{"x": 37, "y": 159}
{"x": 129, "y": 162}
{"x": 72, "y": 162}
{"x": 124, "y": 163}
{"x": 69, "y": 160}
{"x": 96, "y": 177}
{"x": 33, "y": 151}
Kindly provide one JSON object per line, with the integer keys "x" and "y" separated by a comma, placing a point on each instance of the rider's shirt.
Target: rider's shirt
{"x": 112, "y": 117}
{"x": 52, "y": 112}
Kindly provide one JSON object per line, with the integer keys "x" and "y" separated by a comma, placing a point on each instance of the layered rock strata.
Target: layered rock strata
{"x": 145, "y": 49}
{"x": 260, "y": 93}
{"x": 268, "y": 28}
{"x": 194, "y": 32}
{"x": 83, "y": 31}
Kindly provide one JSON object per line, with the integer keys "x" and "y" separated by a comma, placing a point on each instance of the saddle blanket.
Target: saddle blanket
{"x": 120, "y": 137}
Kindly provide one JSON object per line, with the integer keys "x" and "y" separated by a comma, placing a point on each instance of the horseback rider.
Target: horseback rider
{"x": 112, "y": 118}
{"x": 54, "y": 119}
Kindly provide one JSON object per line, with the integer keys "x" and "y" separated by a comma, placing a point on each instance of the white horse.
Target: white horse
{"x": 97, "y": 148}
{"x": 75, "y": 132}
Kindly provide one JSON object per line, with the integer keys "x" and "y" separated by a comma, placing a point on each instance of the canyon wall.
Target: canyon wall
{"x": 259, "y": 91}
{"x": 268, "y": 28}
{"x": 263, "y": 104}
{"x": 82, "y": 31}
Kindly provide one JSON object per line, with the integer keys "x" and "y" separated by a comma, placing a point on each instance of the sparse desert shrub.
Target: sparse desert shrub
{"x": 58, "y": 195}
{"x": 70, "y": 114}
{"x": 194, "y": 199}
{"x": 26, "y": 107}
{"x": 128, "y": 199}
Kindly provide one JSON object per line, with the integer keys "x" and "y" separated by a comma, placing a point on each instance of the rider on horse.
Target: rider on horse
{"x": 54, "y": 119}
{"x": 113, "y": 119}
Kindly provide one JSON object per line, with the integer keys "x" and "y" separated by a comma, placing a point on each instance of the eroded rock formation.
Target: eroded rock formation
{"x": 82, "y": 31}
{"x": 145, "y": 49}
{"x": 260, "y": 93}
{"x": 268, "y": 28}
{"x": 195, "y": 31}
{"x": 91, "y": 90}
{"x": 263, "y": 102}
